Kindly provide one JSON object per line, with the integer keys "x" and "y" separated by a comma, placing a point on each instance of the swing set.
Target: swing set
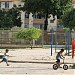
{"x": 67, "y": 40}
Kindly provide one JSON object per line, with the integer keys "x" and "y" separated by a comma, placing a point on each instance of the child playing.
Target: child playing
{"x": 5, "y": 59}
{"x": 59, "y": 56}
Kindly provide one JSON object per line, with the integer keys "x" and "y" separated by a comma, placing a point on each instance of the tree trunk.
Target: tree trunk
{"x": 31, "y": 44}
{"x": 46, "y": 21}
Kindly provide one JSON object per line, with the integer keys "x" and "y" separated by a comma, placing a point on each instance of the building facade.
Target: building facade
{"x": 6, "y": 4}
{"x": 29, "y": 20}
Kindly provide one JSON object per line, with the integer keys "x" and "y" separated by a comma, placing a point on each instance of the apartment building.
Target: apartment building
{"x": 18, "y": 2}
{"x": 29, "y": 20}
{"x": 6, "y": 4}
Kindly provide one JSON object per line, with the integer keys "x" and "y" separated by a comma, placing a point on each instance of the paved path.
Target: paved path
{"x": 33, "y": 69}
{"x": 34, "y": 56}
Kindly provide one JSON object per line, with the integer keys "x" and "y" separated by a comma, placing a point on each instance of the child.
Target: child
{"x": 5, "y": 59}
{"x": 59, "y": 56}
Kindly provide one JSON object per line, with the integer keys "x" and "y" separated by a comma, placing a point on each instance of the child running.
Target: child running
{"x": 5, "y": 59}
{"x": 59, "y": 56}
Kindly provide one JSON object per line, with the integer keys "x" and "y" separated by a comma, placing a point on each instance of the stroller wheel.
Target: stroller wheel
{"x": 55, "y": 66}
{"x": 65, "y": 67}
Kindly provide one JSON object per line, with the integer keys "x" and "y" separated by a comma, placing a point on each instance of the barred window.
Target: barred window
{"x": 6, "y": 4}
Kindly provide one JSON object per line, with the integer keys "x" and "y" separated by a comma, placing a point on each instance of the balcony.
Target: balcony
{"x": 38, "y": 21}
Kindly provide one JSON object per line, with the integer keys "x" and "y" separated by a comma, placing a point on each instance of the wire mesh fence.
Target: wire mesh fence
{"x": 8, "y": 38}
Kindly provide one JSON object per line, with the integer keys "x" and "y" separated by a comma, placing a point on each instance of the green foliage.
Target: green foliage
{"x": 16, "y": 16}
{"x": 39, "y": 5}
{"x": 64, "y": 6}
{"x": 29, "y": 34}
{"x": 47, "y": 7}
{"x": 65, "y": 29}
{"x": 68, "y": 19}
{"x": 9, "y": 19}
{"x": 5, "y": 20}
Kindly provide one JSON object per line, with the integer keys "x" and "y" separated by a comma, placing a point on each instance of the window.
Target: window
{"x": 26, "y": 15}
{"x": 26, "y": 25}
{"x": 51, "y": 21}
{"x": 6, "y": 4}
{"x": 37, "y": 26}
{"x": 39, "y": 16}
{"x": 36, "y": 16}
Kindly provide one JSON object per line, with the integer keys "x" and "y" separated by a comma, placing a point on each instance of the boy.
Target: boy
{"x": 59, "y": 56}
{"x": 5, "y": 59}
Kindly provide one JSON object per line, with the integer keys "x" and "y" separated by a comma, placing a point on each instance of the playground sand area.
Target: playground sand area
{"x": 37, "y": 55}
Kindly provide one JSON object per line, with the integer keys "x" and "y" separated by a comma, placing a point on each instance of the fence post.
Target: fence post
{"x": 51, "y": 40}
{"x": 68, "y": 40}
{"x": 56, "y": 41}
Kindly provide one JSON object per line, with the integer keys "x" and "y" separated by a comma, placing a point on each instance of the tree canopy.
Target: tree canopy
{"x": 5, "y": 20}
{"x": 47, "y": 7}
{"x": 68, "y": 19}
{"x": 16, "y": 16}
{"x": 29, "y": 34}
{"x": 9, "y": 19}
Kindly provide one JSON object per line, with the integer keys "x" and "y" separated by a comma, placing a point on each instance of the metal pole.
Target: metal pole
{"x": 42, "y": 32}
{"x": 56, "y": 41}
{"x": 42, "y": 37}
{"x": 68, "y": 40}
{"x": 51, "y": 40}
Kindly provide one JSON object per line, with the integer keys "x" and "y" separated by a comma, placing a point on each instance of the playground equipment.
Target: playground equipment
{"x": 56, "y": 66}
{"x": 67, "y": 40}
{"x": 73, "y": 48}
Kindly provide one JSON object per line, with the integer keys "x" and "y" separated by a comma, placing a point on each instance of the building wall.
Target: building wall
{"x": 17, "y": 2}
{"x": 52, "y": 22}
{"x": 37, "y": 21}
{"x": 10, "y": 5}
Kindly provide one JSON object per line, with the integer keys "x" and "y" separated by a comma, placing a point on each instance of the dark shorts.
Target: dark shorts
{"x": 58, "y": 60}
{"x": 4, "y": 60}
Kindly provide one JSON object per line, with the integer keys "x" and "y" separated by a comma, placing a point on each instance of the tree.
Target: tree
{"x": 29, "y": 34}
{"x": 5, "y": 20}
{"x": 64, "y": 6}
{"x": 9, "y": 19}
{"x": 47, "y": 7}
{"x": 68, "y": 19}
{"x": 16, "y": 16}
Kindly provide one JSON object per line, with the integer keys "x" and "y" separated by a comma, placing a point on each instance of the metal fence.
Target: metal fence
{"x": 8, "y": 39}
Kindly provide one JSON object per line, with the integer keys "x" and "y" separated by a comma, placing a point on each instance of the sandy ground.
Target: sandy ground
{"x": 33, "y": 55}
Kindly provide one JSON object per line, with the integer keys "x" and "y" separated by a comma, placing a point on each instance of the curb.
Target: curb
{"x": 41, "y": 62}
